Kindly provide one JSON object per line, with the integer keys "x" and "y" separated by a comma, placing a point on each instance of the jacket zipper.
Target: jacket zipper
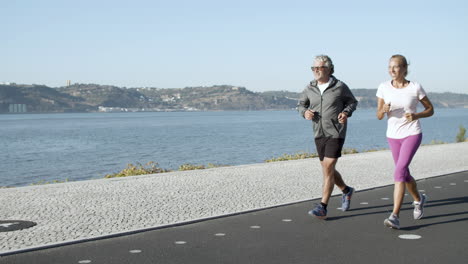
{"x": 321, "y": 111}
{"x": 321, "y": 108}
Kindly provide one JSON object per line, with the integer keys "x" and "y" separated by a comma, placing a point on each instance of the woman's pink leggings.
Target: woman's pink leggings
{"x": 403, "y": 151}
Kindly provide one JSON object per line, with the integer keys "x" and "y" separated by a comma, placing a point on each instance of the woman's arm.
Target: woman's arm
{"x": 428, "y": 110}
{"x": 382, "y": 108}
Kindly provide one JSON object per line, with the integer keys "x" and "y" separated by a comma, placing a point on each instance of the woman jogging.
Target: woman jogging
{"x": 398, "y": 99}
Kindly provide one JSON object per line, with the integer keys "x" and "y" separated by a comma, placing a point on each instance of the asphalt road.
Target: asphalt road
{"x": 287, "y": 234}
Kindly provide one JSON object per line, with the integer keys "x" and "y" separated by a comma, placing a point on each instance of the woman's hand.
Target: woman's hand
{"x": 410, "y": 117}
{"x": 382, "y": 108}
{"x": 428, "y": 111}
{"x": 386, "y": 108}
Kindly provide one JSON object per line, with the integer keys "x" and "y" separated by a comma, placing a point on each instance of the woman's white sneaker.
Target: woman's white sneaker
{"x": 419, "y": 207}
{"x": 392, "y": 221}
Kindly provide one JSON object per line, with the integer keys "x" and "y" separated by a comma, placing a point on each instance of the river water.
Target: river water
{"x": 80, "y": 146}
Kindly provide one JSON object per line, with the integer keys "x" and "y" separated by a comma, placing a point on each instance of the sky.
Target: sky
{"x": 260, "y": 45}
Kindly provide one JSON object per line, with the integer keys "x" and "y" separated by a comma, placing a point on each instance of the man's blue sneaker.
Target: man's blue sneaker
{"x": 319, "y": 211}
{"x": 346, "y": 200}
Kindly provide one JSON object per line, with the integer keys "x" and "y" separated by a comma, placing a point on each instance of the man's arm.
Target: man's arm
{"x": 350, "y": 102}
{"x": 303, "y": 103}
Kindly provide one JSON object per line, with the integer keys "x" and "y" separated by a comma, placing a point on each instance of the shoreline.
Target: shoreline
{"x": 346, "y": 151}
{"x": 192, "y": 111}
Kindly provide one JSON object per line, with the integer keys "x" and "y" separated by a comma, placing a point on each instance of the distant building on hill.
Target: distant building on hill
{"x": 17, "y": 108}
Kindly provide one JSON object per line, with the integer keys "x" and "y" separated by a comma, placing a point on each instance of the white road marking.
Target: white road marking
{"x": 409, "y": 236}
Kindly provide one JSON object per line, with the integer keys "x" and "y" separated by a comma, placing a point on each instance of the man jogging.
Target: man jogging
{"x": 328, "y": 102}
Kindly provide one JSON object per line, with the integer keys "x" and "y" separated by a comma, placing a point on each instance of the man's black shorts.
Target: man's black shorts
{"x": 329, "y": 147}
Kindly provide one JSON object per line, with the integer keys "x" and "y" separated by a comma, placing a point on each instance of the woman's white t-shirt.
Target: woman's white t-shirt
{"x": 402, "y": 100}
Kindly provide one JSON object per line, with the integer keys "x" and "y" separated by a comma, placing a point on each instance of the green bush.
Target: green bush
{"x": 296, "y": 156}
{"x": 374, "y": 150}
{"x": 186, "y": 167}
{"x": 42, "y": 182}
{"x": 211, "y": 165}
{"x": 349, "y": 151}
{"x": 138, "y": 169}
{"x": 437, "y": 142}
{"x": 152, "y": 168}
{"x": 306, "y": 155}
{"x": 461, "y": 134}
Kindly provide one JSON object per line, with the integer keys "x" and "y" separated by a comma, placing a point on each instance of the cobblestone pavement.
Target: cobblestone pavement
{"x": 85, "y": 210}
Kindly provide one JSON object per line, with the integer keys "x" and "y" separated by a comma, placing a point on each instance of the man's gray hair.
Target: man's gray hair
{"x": 327, "y": 60}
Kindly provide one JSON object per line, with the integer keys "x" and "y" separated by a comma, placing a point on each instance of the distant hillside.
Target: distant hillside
{"x": 39, "y": 98}
{"x": 106, "y": 95}
{"x": 93, "y": 97}
{"x": 222, "y": 97}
